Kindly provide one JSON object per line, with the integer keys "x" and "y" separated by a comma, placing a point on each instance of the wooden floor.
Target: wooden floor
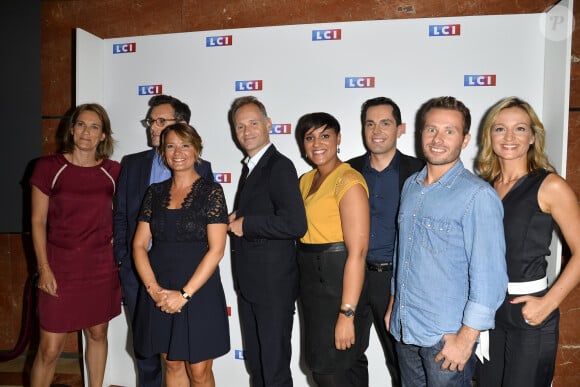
{"x": 16, "y": 373}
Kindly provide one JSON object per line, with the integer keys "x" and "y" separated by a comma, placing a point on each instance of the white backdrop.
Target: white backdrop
{"x": 303, "y": 68}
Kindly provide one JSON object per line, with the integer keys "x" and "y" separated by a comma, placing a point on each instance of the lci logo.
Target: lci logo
{"x": 150, "y": 89}
{"x": 249, "y": 85}
{"x": 326, "y": 34}
{"x": 124, "y": 48}
{"x": 218, "y": 41}
{"x": 239, "y": 354}
{"x": 479, "y": 80}
{"x": 359, "y": 82}
{"x": 222, "y": 177}
{"x": 445, "y": 30}
{"x": 281, "y": 129}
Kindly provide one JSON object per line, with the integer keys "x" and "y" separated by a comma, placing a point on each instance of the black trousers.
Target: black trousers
{"x": 378, "y": 294}
{"x": 267, "y": 332}
{"x": 321, "y": 275}
{"x": 521, "y": 355}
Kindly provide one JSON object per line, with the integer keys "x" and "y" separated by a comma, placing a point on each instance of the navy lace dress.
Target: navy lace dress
{"x": 201, "y": 330}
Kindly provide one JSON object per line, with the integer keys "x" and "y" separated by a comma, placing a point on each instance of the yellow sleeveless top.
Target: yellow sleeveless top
{"x": 322, "y": 207}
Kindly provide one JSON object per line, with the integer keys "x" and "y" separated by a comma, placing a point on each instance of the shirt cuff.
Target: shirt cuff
{"x": 478, "y": 316}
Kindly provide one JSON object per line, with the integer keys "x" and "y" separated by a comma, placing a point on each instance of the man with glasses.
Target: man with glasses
{"x": 138, "y": 171}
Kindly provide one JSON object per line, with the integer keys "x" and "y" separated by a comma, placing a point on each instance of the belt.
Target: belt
{"x": 529, "y": 287}
{"x": 514, "y": 288}
{"x": 384, "y": 266}
{"x": 321, "y": 247}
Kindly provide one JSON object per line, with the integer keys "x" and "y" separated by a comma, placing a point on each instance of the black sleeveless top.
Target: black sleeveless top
{"x": 528, "y": 230}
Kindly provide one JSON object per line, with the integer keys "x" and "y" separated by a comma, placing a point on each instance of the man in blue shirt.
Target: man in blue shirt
{"x": 138, "y": 171}
{"x": 385, "y": 169}
{"x": 450, "y": 270}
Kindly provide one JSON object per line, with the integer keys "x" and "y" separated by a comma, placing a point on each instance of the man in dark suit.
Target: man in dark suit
{"x": 385, "y": 169}
{"x": 268, "y": 217}
{"x": 138, "y": 171}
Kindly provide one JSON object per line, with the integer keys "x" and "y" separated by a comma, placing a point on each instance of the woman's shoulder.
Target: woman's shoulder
{"x": 210, "y": 186}
{"x": 346, "y": 178}
{"x": 550, "y": 181}
{"x": 347, "y": 173}
{"x": 49, "y": 164}
{"x": 56, "y": 160}
{"x": 112, "y": 166}
{"x": 161, "y": 186}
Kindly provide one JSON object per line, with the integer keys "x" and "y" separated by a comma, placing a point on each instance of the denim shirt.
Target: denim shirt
{"x": 450, "y": 261}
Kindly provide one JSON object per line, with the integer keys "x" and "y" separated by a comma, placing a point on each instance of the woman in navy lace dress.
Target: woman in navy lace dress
{"x": 181, "y": 309}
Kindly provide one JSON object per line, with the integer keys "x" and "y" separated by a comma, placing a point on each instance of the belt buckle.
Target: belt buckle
{"x": 379, "y": 268}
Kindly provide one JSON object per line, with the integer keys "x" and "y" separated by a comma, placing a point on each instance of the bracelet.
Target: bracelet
{"x": 185, "y": 295}
{"x": 347, "y": 306}
{"x": 42, "y": 265}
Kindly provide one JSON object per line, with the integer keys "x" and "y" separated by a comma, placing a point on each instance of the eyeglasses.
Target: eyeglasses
{"x": 148, "y": 122}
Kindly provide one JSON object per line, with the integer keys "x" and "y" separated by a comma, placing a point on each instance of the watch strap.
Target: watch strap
{"x": 185, "y": 295}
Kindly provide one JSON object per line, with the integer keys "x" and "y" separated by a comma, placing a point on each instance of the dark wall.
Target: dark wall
{"x": 20, "y": 110}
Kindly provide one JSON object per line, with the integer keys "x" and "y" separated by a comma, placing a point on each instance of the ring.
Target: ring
{"x": 527, "y": 322}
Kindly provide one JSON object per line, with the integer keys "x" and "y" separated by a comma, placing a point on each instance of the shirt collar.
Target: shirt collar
{"x": 394, "y": 164}
{"x": 448, "y": 177}
{"x": 252, "y": 161}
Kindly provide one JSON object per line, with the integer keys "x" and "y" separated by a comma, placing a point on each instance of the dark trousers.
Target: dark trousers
{"x": 378, "y": 294}
{"x": 520, "y": 355}
{"x": 356, "y": 376}
{"x": 149, "y": 369}
{"x": 267, "y": 331}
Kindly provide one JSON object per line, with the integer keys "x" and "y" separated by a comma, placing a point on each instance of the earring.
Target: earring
{"x": 337, "y": 149}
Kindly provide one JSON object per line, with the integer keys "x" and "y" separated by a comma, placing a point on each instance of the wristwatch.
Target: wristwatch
{"x": 347, "y": 312}
{"x": 185, "y": 295}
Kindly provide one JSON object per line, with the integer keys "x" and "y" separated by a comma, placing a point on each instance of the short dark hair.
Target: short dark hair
{"x": 182, "y": 111}
{"x": 446, "y": 102}
{"x": 315, "y": 120}
{"x": 377, "y": 102}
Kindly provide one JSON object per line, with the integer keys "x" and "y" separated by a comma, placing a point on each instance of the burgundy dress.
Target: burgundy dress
{"x": 79, "y": 243}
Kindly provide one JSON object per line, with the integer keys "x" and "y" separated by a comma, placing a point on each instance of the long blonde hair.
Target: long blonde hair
{"x": 487, "y": 161}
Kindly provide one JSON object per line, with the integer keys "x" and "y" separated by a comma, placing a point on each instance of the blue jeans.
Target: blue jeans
{"x": 418, "y": 367}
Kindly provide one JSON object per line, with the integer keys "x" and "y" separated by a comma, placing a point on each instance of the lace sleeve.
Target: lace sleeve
{"x": 217, "y": 211}
{"x": 145, "y": 213}
{"x": 348, "y": 179}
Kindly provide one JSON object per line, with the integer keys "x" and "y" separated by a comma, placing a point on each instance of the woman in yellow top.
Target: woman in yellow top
{"x": 331, "y": 257}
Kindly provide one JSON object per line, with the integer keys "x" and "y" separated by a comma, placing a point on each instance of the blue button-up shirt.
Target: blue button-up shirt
{"x": 450, "y": 264}
{"x": 383, "y": 203}
{"x": 159, "y": 171}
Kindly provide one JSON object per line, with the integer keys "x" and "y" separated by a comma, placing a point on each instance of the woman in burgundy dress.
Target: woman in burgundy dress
{"x": 72, "y": 232}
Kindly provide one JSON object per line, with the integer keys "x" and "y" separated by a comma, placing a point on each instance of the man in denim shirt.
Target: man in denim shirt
{"x": 450, "y": 270}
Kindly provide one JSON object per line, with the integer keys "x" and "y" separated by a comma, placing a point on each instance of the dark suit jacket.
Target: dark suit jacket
{"x": 131, "y": 187}
{"x": 407, "y": 165}
{"x": 265, "y": 264}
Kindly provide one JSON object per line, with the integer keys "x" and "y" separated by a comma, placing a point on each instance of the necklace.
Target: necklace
{"x": 509, "y": 180}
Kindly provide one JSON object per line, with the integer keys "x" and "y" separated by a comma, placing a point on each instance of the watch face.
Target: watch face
{"x": 348, "y": 312}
